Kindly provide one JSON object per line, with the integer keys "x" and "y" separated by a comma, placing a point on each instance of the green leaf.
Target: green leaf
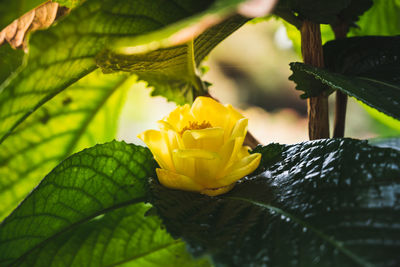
{"x": 393, "y": 142}
{"x": 353, "y": 11}
{"x": 308, "y": 84}
{"x": 384, "y": 125}
{"x": 376, "y": 93}
{"x": 331, "y": 202}
{"x": 125, "y": 237}
{"x": 88, "y": 184}
{"x": 10, "y": 60}
{"x": 382, "y": 19}
{"x": 80, "y": 117}
{"x": 323, "y": 12}
{"x": 371, "y": 57}
{"x": 69, "y": 3}
{"x": 171, "y": 71}
{"x": 368, "y": 56}
{"x": 11, "y": 10}
{"x": 63, "y": 54}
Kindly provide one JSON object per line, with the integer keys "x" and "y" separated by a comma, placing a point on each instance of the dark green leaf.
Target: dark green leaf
{"x": 66, "y": 52}
{"x": 308, "y": 84}
{"x": 322, "y": 11}
{"x": 80, "y": 117}
{"x": 353, "y": 11}
{"x": 393, "y": 142}
{"x": 382, "y": 95}
{"x": 86, "y": 185}
{"x": 331, "y": 202}
{"x": 121, "y": 237}
{"x": 374, "y": 57}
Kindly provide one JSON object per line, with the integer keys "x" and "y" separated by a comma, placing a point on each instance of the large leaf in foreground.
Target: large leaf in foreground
{"x": 66, "y": 52}
{"x": 379, "y": 94}
{"x": 323, "y": 203}
{"x": 68, "y": 123}
{"x": 90, "y": 183}
{"x": 124, "y": 237}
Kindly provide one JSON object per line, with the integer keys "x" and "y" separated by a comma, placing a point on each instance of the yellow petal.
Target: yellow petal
{"x": 157, "y": 145}
{"x": 217, "y": 191}
{"x": 243, "y": 152}
{"x": 200, "y": 165}
{"x": 177, "y": 181}
{"x": 165, "y": 126}
{"x": 196, "y": 153}
{"x": 209, "y": 110}
{"x": 241, "y": 168}
{"x": 240, "y": 128}
{"x": 209, "y": 139}
{"x": 179, "y": 118}
{"x": 234, "y": 116}
{"x": 229, "y": 155}
{"x": 172, "y": 138}
{"x": 184, "y": 166}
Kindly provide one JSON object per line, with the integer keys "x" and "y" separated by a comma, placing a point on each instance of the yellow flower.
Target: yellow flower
{"x": 201, "y": 148}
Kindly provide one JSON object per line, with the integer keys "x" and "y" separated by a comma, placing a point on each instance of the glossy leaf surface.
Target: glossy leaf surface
{"x": 393, "y": 142}
{"x": 323, "y": 203}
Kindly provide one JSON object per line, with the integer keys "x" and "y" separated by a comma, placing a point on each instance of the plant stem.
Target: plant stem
{"x": 340, "y": 114}
{"x": 340, "y": 31}
{"x": 311, "y": 49}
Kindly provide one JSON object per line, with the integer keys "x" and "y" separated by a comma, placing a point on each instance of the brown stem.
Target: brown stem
{"x": 340, "y": 114}
{"x": 250, "y": 140}
{"x": 311, "y": 49}
{"x": 340, "y": 31}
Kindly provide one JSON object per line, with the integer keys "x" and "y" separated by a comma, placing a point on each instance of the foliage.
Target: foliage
{"x": 314, "y": 207}
{"x": 327, "y": 202}
{"x": 364, "y": 67}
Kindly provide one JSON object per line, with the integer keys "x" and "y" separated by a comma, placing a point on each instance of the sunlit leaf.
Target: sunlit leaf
{"x": 11, "y": 10}
{"x": 382, "y": 19}
{"x": 84, "y": 115}
{"x": 125, "y": 236}
{"x": 10, "y": 60}
{"x": 41, "y": 17}
{"x": 66, "y": 52}
{"x": 88, "y": 184}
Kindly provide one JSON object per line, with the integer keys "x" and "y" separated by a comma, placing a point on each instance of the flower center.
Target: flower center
{"x": 196, "y": 126}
